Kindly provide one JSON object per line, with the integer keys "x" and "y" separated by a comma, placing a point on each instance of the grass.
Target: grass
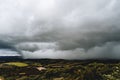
{"x": 18, "y": 64}
{"x": 1, "y": 78}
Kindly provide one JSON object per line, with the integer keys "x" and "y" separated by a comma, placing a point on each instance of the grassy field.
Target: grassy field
{"x": 18, "y": 64}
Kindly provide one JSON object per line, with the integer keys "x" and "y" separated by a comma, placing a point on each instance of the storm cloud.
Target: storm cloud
{"x": 60, "y": 29}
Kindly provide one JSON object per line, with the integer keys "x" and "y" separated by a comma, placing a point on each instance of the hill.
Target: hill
{"x": 57, "y": 69}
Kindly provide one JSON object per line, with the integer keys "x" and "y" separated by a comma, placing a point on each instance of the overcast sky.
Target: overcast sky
{"x": 60, "y": 29}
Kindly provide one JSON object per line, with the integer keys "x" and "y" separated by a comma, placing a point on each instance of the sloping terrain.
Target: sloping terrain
{"x": 60, "y": 70}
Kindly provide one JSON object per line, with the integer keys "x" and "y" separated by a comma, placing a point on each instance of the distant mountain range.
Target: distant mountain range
{"x": 10, "y": 58}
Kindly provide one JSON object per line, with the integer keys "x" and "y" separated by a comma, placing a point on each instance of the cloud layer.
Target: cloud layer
{"x": 63, "y": 29}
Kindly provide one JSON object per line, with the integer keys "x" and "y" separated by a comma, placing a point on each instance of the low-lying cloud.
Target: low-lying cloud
{"x": 60, "y": 29}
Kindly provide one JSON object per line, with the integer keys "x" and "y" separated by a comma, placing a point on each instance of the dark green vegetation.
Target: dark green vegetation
{"x": 60, "y": 70}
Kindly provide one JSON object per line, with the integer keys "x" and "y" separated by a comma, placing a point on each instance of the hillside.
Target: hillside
{"x": 48, "y": 69}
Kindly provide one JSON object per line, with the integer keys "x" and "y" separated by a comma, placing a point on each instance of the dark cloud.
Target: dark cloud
{"x": 7, "y": 48}
{"x": 5, "y": 45}
{"x": 64, "y": 29}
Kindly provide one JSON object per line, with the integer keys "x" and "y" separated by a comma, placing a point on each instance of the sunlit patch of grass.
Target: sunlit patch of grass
{"x": 18, "y": 64}
{"x": 1, "y": 78}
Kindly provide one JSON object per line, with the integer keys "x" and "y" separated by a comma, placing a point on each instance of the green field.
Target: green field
{"x": 18, "y": 64}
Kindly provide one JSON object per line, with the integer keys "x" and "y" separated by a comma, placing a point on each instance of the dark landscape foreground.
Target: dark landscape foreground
{"x": 48, "y": 69}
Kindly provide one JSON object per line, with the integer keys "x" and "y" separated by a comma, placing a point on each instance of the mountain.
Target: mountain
{"x": 10, "y": 58}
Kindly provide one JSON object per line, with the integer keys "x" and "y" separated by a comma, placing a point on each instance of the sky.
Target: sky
{"x": 60, "y": 29}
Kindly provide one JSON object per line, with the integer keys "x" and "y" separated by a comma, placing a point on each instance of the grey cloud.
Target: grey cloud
{"x": 5, "y": 45}
{"x": 34, "y": 46}
{"x": 8, "y": 52}
{"x": 64, "y": 29}
{"x": 7, "y": 48}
